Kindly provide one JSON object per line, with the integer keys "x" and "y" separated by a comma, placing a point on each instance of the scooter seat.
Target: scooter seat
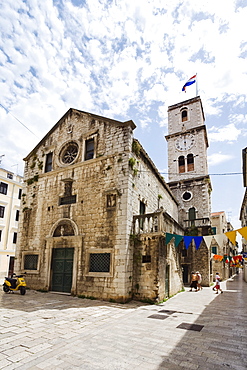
{"x": 12, "y": 282}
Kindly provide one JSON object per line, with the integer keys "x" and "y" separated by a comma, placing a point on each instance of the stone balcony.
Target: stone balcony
{"x": 148, "y": 223}
{"x": 198, "y": 222}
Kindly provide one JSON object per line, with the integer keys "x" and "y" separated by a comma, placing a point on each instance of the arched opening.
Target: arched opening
{"x": 190, "y": 162}
{"x": 184, "y": 115}
{"x": 192, "y": 215}
{"x": 64, "y": 229}
{"x": 181, "y": 164}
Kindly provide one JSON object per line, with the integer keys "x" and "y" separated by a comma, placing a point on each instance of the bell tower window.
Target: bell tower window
{"x": 184, "y": 115}
{"x": 190, "y": 162}
{"x": 181, "y": 164}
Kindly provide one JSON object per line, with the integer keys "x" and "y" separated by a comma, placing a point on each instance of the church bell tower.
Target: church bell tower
{"x": 187, "y": 164}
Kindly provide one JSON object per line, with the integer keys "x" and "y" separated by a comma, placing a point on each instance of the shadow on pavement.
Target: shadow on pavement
{"x": 221, "y": 342}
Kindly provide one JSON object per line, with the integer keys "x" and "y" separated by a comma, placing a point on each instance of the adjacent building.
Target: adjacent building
{"x": 222, "y": 246}
{"x": 10, "y": 200}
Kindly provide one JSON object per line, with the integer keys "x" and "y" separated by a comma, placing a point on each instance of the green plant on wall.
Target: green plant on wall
{"x": 32, "y": 180}
{"x": 192, "y": 231}
{"x": 40, "y": 165}
{"x": 136, "y": 148}
{"x": 135, "y": 171}
{"x": 132, "y": 162}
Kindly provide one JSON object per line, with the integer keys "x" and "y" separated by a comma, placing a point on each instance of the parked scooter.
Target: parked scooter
{"x": 16, "y": 282}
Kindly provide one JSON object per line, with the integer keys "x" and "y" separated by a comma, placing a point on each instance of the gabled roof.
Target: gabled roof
{"x": 69, "y": 113}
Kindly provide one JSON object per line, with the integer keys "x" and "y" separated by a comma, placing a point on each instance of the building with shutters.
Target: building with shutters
{"x": 10, "y": 201}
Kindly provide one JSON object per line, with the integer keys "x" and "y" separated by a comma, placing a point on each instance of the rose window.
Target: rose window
{"x": 69, "y": 153}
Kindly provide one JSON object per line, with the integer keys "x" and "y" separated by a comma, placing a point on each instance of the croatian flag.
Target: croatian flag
{"x": 191, "y": 81}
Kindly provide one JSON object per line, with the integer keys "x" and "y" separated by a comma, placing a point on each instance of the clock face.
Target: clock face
{"x": 185, "y": 142}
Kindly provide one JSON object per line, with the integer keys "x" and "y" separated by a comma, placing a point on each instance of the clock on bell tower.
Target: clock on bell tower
{"x": 187, "y": 161}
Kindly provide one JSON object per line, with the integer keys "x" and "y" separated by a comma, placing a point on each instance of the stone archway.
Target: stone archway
{"x": 64, "y": 227}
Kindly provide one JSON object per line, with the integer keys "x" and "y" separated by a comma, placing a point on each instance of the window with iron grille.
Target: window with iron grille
{"x": 31, "y": 262}
{"x": 67, "y": 200}
{"x": 3, "y": 188}
{"x": 99, "y": 262}
{"x": 2, "y": 208}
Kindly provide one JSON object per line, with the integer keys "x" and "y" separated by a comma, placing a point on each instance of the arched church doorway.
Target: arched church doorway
{"x": 62, "y": 257}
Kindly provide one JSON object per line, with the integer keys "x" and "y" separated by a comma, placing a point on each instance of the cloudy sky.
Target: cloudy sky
{"x": 127, "y": 59}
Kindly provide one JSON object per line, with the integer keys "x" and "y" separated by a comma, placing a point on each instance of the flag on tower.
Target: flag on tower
{"x": 191, "y": 81}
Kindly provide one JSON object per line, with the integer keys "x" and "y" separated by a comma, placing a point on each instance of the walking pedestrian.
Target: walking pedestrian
{"x": 217, "y": 283}
{"x": 193, "y": 282}
{"x": 199, "y": 280}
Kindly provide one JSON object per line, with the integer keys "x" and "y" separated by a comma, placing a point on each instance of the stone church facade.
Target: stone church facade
{"x": 94, "y": 214}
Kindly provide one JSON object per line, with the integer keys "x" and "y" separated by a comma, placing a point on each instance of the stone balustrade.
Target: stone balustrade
{"x": 148, "y": 223}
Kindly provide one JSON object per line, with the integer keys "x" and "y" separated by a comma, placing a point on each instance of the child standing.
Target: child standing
{"x": 217, "y": 283}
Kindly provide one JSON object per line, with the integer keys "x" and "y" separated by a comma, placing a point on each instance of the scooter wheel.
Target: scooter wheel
{"x": 22, "y": 290}
{"x": 5, "y": 288}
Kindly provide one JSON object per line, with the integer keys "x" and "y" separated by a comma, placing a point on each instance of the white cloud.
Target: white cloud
{"x": 228, "y": 133}
{"x": 218, "y": 158}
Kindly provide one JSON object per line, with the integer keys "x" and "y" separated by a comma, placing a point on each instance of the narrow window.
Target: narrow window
{"x": 31, "y": 262}
{"x": 184, "y": 115}
{"x": 190, "y": 162}
{"x": 14, "y": 238}
{"x": 99, "y": 262}
{"x": 214, "y": 250}
{"x": 3, "y": 188}
{"x": 2, "y": 211}
{"x": 20, "y": 192}
{"x": 184, "y": 252}
{"x": 192, "y": 213}
{"x": 146, "y": 259}
{"x": 181, "y": 164}
{"x": 142, "y": 212}
{"x": 17, "y": 215}
{"x": 111, "y": 200}
{"x": 0, "y": 235}
{"x": 142, "y": 208}
{"x": 89, "y": 149}
{"x": 48, "y": 162}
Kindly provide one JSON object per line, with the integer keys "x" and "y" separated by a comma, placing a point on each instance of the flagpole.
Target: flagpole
{"x": 196, "y": 86}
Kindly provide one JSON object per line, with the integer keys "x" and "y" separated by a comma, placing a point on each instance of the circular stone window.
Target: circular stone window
{"x": 187, "y": 195}
{"x": 69, "y": 153}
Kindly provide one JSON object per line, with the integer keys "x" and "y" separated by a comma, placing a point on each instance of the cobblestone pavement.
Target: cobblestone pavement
{"x": 52, "y": 331}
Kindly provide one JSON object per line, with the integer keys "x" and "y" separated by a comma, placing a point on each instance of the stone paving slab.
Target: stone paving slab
{"x": 52, "y": 331}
